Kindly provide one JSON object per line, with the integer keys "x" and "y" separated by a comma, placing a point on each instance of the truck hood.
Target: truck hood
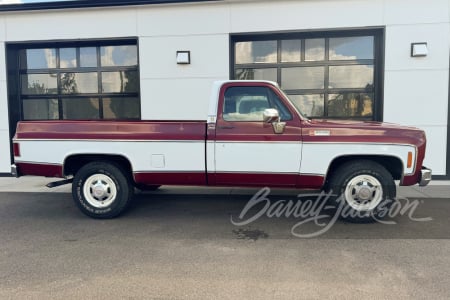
{"x": 361, "y": 131}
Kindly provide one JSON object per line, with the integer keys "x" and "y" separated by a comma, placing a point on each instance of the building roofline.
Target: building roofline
{"x": 87, "y": 4}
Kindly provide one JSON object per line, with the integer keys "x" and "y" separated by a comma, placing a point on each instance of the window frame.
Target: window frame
{"x": 378, "y": 34}
{"x": 98, "y": 69}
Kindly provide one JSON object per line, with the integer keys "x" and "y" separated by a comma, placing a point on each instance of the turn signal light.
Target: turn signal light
{"x": 410, "y": 160}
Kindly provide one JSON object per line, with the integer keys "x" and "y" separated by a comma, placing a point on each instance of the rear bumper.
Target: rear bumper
{"x": 14, "y": 171}
{"x": 425, "y": 176}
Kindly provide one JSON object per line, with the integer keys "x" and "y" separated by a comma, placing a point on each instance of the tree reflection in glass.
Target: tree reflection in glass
{"x": 124, "y": 108}
{"x": 350, "y": 105}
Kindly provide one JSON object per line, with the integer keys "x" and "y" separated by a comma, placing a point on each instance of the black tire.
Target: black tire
{"x": 355, "y": 195}
{"x": 102, "y": 190}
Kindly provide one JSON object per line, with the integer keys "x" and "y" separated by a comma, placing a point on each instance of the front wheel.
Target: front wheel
{"x": 363, "y": 191}
{"x": 101, "y": 190}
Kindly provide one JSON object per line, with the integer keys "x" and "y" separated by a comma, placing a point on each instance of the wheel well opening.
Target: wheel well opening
{"x": 74, "y": 163}
{"x": 392, "y": 164}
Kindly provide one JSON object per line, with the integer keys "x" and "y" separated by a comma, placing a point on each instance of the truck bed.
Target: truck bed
{"x": 158, "y": 152}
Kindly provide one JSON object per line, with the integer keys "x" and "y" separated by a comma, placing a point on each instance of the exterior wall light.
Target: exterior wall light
{"x": 184, "y": 57}
{"x": 419, "y": 49}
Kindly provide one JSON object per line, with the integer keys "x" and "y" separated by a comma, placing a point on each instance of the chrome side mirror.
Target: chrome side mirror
{"x": 272, "y": 116}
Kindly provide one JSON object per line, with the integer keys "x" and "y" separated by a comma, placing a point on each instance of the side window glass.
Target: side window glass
{"x": 245, "y": 104}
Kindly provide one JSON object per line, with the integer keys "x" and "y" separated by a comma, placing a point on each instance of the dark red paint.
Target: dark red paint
{"x": 170, "y": 178}
{"x": 112, "y": 130}
{"x": 45, "y": 170}
{"x": 270, "y": 180}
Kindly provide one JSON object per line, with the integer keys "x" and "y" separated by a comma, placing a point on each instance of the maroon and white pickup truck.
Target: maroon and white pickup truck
{"x": 253, "y": 136}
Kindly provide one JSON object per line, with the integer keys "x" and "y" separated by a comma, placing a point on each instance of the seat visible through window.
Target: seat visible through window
{"x": 251, "y": 106}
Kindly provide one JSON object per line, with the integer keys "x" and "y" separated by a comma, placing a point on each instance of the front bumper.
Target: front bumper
{"x": 425, "y": 176}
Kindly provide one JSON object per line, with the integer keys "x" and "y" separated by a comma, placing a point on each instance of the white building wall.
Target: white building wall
{"x": 4, "y": 125}
{"x": 171, "y": 91}
{"x": 416, "y": 89}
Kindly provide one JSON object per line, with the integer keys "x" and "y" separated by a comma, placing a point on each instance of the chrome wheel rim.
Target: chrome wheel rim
{"x": 363, "y": 193}
{"x": 100, "y": 191}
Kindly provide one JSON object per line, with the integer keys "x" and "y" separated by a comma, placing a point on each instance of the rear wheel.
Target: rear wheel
{"x": 101, "y": 190}
{"x": 362, "y": 191}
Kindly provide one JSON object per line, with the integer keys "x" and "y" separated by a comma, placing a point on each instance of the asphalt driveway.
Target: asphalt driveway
{"x": 184, "y": 246}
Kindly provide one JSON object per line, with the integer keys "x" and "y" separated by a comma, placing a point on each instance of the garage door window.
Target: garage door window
{"x": 325, "y": 74}
{"x": 79, "y": 81}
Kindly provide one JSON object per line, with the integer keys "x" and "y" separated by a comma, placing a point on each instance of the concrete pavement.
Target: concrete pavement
{"x": 31, "y": 184}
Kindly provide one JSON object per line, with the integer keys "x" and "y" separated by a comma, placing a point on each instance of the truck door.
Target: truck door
{"x": 248, "y": 152}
